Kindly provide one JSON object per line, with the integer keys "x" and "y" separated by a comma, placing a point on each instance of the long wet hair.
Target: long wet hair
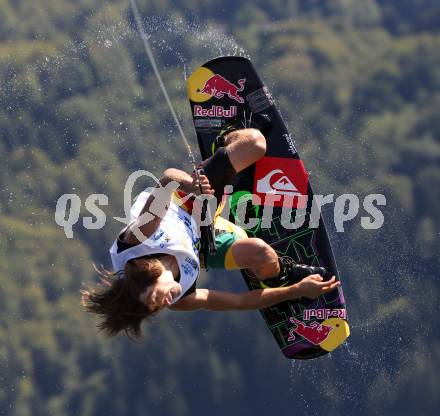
{"x": 116, "y": 299}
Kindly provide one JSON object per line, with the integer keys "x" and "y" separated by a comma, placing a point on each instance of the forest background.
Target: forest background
{"x": 358, "y": 82}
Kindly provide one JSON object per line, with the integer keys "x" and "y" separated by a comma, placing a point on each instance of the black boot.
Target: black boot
{"x": 292, "y": 272}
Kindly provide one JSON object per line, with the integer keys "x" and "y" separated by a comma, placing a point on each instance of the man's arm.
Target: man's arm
{"x": 213, "y": 300}
{"x": 158, "y": 202}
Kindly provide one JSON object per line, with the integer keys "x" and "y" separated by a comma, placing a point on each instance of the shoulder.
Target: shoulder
{"x": 128, "y": 239}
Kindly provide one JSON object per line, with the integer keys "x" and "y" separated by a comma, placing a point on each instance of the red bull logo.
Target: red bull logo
{"x": 218, "y": 86}
{"x": 315, "y": 333}
{"x": 328, "y": 335}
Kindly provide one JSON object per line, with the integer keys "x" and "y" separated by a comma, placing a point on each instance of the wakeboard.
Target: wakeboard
{"x": 228, "y": 90}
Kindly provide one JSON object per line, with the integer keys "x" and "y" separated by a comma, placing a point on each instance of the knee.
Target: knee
{"x": 264, "y": 253}
{"x": 257, "y": 142}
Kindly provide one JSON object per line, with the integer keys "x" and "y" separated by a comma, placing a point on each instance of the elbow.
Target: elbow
{"x": 167, "y": 176}
{"x": 170, "y": 179}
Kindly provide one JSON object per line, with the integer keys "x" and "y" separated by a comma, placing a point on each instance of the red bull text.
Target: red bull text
{"x": 324, "y": 314}
{"x": 215, "y": 111}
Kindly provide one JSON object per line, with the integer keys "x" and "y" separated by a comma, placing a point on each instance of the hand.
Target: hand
{"x": 204, "y": 184}
{"x": 313, "y": 286}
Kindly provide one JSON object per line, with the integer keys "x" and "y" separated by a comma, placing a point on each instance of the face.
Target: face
{"x": 162, "y": 292}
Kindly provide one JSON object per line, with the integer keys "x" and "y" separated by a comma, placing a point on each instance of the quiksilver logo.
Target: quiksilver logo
{"x": 281, "y": 186}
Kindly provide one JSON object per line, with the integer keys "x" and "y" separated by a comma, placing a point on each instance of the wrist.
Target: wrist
{"x": 296, "y": 290}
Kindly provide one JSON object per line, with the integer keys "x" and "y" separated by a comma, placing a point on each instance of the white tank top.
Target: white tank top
{"x": 176, "y": 236}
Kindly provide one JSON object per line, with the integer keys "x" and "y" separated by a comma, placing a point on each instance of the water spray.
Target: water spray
{"x": 207, "y": 232}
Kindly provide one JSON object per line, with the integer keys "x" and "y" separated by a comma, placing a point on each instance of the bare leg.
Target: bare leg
{"x": 245, "y": 147}
{"x": 254, "y": 254}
